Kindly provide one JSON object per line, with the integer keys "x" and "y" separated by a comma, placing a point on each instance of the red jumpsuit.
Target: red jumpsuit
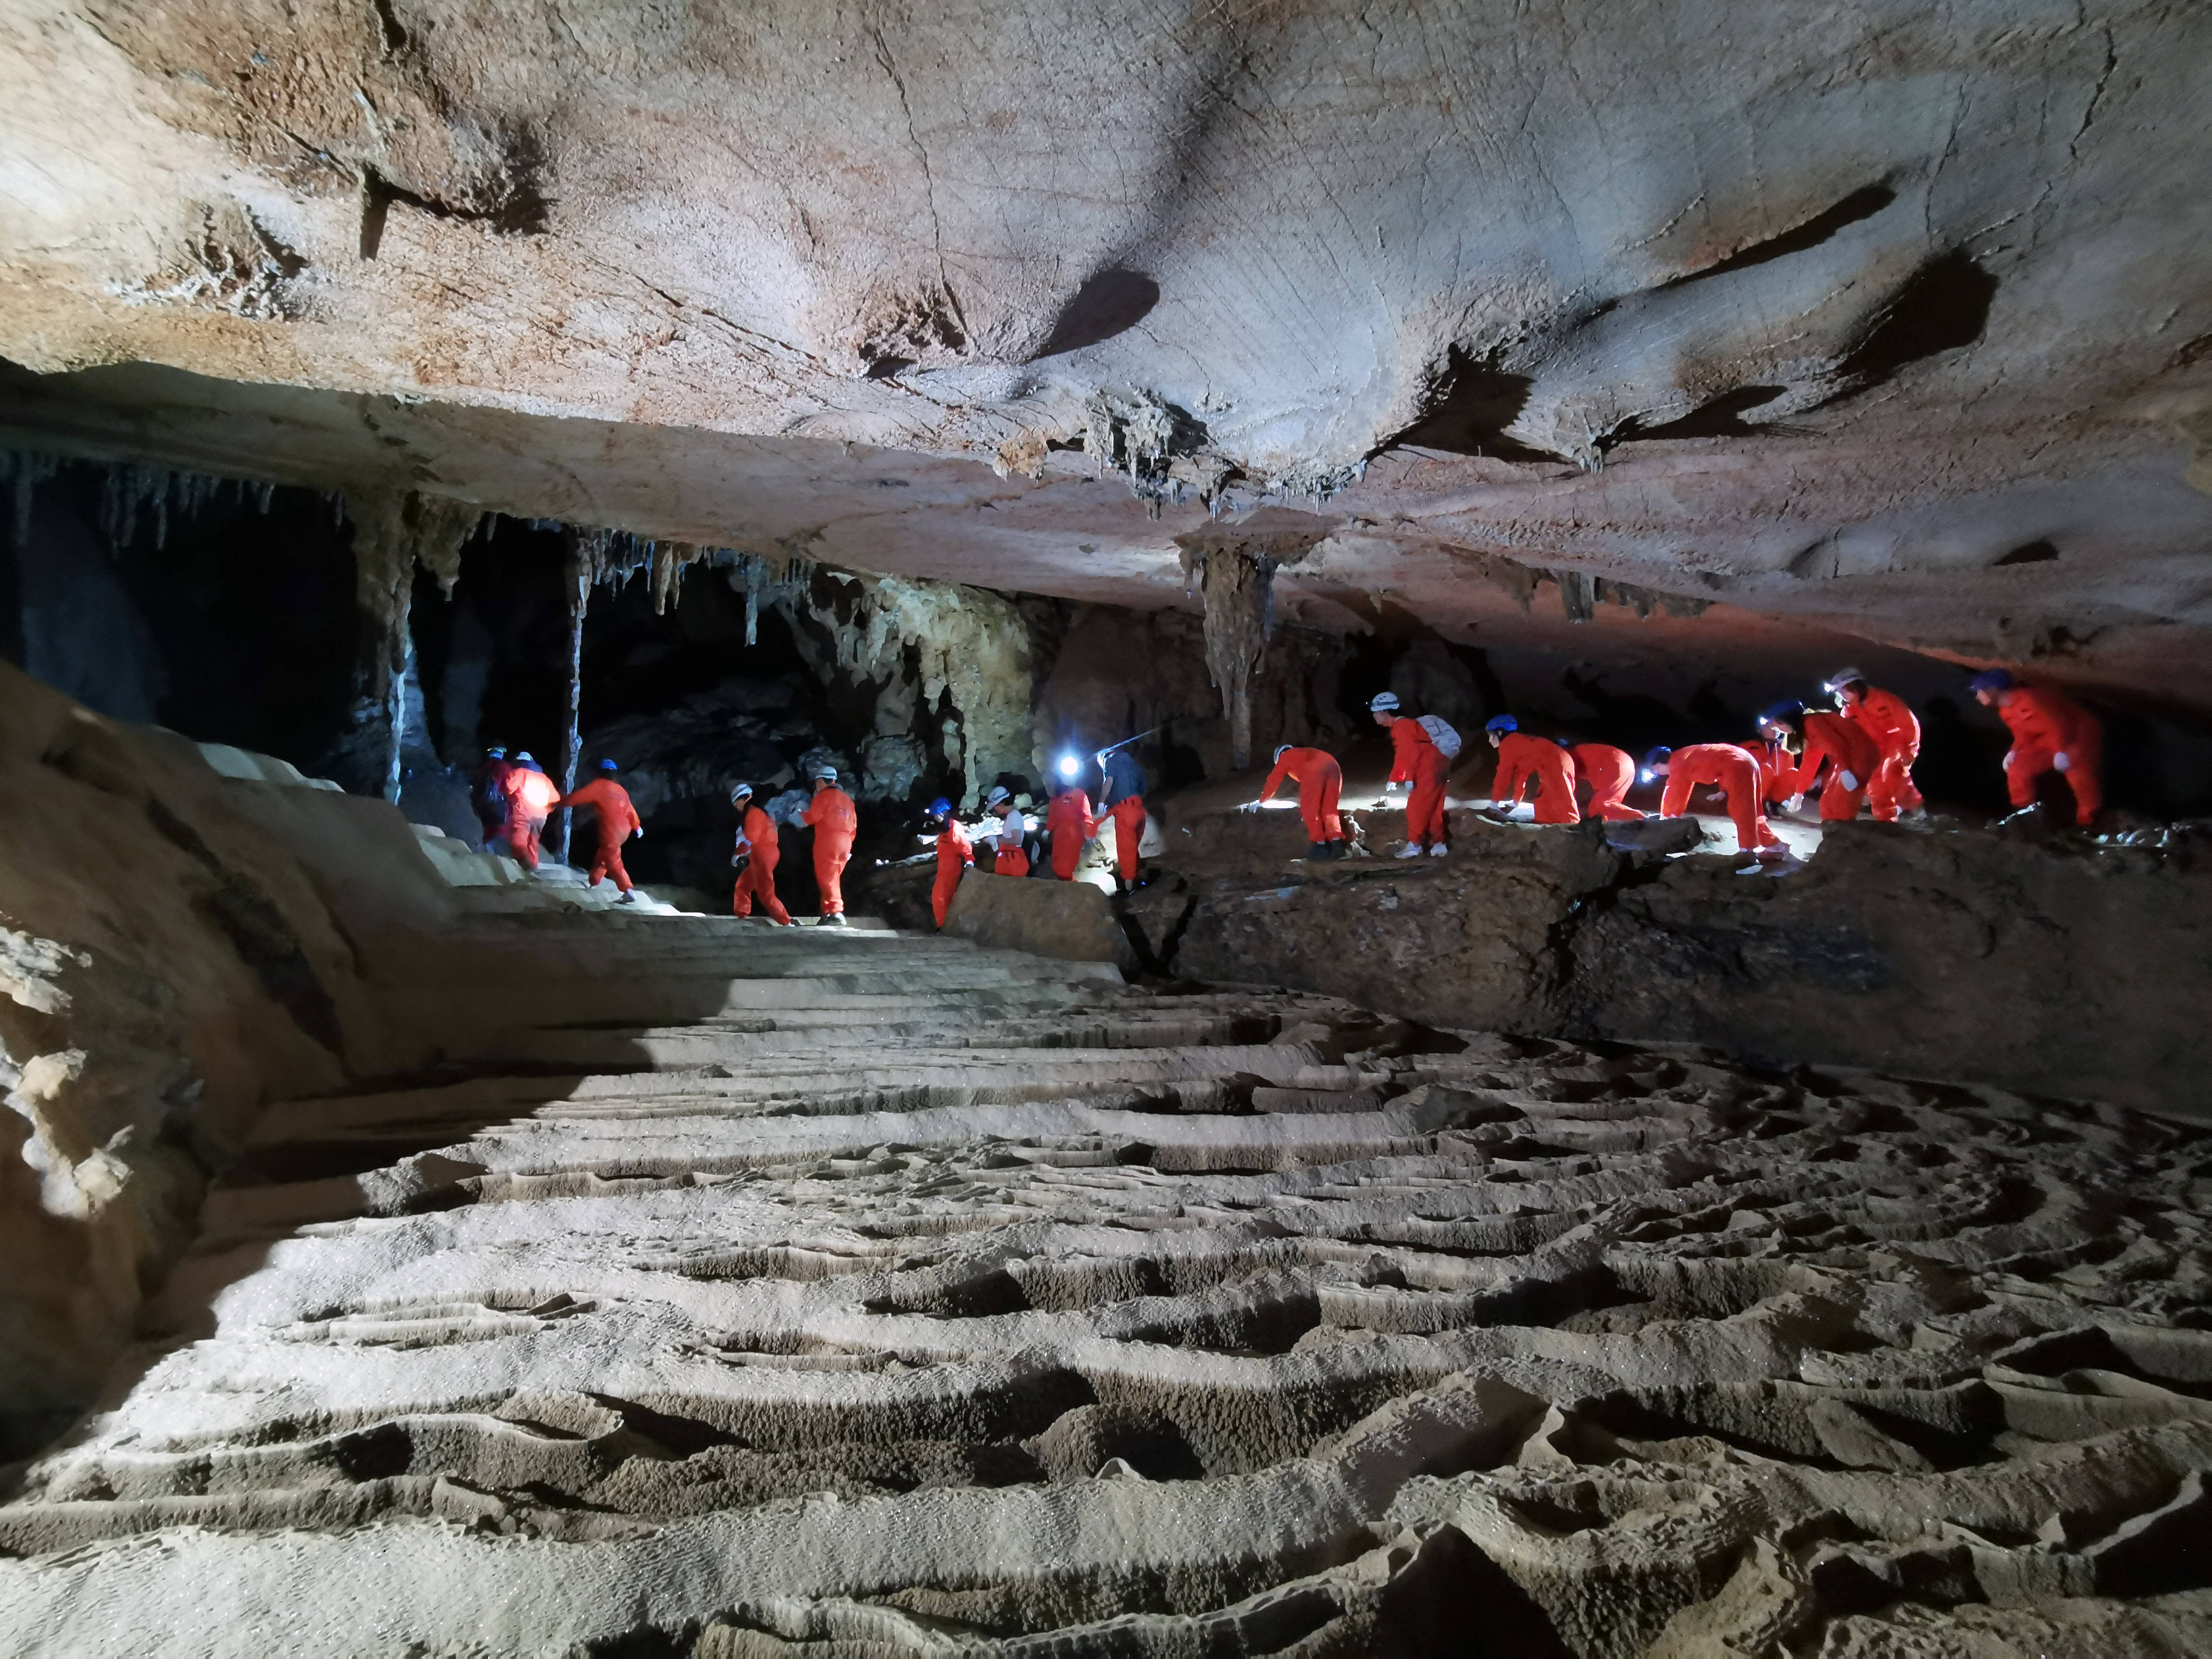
{"x": 831, "y": 815}
{"x": 1609, "y": 772}
{"x": 1522, "y": 760}
{"x": 1732, "y": 769}
{"x": 2046, "y": 725}
{"x": 1011, "y": 858}
{"x": 1889, "y": 720}
{"x": 611, "y": 804}
{"x": 1128, "y": 816}
{"x": 1319, "y": 781}
{"x": 757, "y": 879}
{"x": 1069, "y": 827}
{"x": 955, "y": 853}
{"x": 1415, "y": 759}
{"x": 1851, "y": 757}
{"x": 530, "y": 797}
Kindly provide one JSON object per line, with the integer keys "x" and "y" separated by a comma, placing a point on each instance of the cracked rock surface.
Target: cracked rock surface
{"x": 900, "y": 1296}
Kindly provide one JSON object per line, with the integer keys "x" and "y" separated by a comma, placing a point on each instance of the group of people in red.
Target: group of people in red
{"x": 513, "y": 799}
{"x": 1071, "y": 824}
{"x": 1857, "y": 755}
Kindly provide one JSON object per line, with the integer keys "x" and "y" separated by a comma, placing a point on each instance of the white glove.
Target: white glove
{"x": 2063, "y": 761}
{"x": 1849, "y": 780}
{"x": 1793, "y": 802}
{"x": 639, "y": 833}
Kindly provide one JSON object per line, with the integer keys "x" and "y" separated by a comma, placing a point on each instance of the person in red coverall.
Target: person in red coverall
{"x": 955, "y": 853}
{"x": 2051, "y": 733}
{"x": 1069, "y": 827}
{"x": 1889, "y": 720}
{"x": 1320, "y": 781}
{"x": 835, "y": 822}
{"x": 1415, "y": 760}
{"x": 1011, "y": 856}
{"x": 1522, "y": 760}
{"x": 529, "y": 796}
{"x": 617, "y": 821}
{"x": 1609, "y": 772}
{"x": 1121, "y": 796}
{"x": 1725, "y": 766}
{"x": 1824, "y": 742}
{"x": 755, "y": 859}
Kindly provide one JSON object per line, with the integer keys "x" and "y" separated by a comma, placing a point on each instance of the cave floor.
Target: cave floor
{"x": 749, "y": 1292}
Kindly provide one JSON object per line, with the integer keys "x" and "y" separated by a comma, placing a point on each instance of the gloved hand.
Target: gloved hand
{"x": 2063, "y": 761}
{"x": 739, "y": 860}
{"x": 1793, "y": 802}
{"x": 638, "y": 834}
{"x": 1849, "y": 779}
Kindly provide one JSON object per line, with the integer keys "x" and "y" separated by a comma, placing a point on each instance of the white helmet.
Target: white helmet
{"x": 825, "y": 775}
{"x": 1382, "y": 702}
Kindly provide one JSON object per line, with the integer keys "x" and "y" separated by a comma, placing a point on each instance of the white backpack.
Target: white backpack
{"x": 1441, "y": 734}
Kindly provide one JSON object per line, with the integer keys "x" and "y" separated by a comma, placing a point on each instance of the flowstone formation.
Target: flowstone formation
{"x": 747, "y": 1294}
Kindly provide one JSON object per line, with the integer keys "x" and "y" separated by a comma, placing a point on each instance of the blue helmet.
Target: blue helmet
{"x": 608, "y": 766}
{"x": 939, "y": 808}
{"x": 496, "y": 754}
{"x": 1502, "y": 723}
{"x": 1790, "y": 714}
{"x": 1652, "y": 761}
{"x": 1992, "y": 679}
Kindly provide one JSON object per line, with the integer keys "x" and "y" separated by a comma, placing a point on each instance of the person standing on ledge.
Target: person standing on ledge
{"x": 1522, "y": 760}
{"x": 617, "y": 820}
{"x": 1011, "y": 858}
{"x": 2051, "y": 733}
{"x": 1889, "y": 720}
{"x": 1609, "y": 772}
{"x": 955, "y": 853}
{"x": 488, "y": 797}
{"x": 1417, "y": 761}
{"x": 755, "y": 858}
{"x": 1320, "y": 781}
{"x": 1068, "y": 826}
{"x": 1121, "y": 798}
{"x": 834, "y": 821}
{"x": 1733, "y": 770}
{"x": 1822, "y": 743}
{"x": 529, "y": 796}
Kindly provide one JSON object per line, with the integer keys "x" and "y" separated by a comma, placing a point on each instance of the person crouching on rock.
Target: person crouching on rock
{"x": 617, "y": 820}
{"x": 1416, "y": 761}
{"x": 529, "y": 796}
{"x": 1068, "y": 827}
{"x": 1609, "y": 772}
{"x": 955, "y": 853}
{"x": 1889, "y": 720}
{"x": 1011, "y": 858}
{"x": 1731, "y": 769}
{"x": 834, "y": 821}
{"x": 1823, "y": 742}
{"x": 1524, "y": 760}
{"x": 2051, "y": 733}
{"x": 754, "y": 857}
{"x": 1320, "y": 781}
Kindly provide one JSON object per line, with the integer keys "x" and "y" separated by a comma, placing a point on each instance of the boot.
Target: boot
{"x": 834, "y": 918}
{"x": 1412, "y": 849}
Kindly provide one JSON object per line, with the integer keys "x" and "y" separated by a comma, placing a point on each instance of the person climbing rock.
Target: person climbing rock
{"x": 1609, "y": 772}
{"x": 1121, "y": 798}
{"x": 754, "y": 857}
{"x": 955, "y": 853}
{"x": 1524, "y": 760}
{"x": 2051, "y": 733}
{"x": 1822, "y": 745}
{"x": 1320, "y": 781}
{"x": 1889, "y": 720}
{"x": 488, "y": 797}
{"x": 529, "y": 796}
{"x": 834, "y": 821}
{"x": 616, "y": 821}
{"x": 1010, "y": 837}
{"x": 1729, "y": 767}
{"x": 1418, "y": 761}
{"x": 1068, "y": 828}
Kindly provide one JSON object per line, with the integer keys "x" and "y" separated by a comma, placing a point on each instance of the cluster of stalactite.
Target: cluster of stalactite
{"x": 1235, "y": 573}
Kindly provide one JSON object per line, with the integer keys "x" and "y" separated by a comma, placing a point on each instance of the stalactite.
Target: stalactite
{"x": 392, "y": 535}
{"x": 1236, "y": 574}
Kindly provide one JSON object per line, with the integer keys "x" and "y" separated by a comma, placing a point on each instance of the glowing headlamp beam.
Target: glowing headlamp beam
{"x": 1070, "y": 767}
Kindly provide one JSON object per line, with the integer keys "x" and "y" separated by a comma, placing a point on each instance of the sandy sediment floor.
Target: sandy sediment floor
{"x": 923, "y": 1299}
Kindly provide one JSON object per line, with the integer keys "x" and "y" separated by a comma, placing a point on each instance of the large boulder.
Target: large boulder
{"x": 1072, "y": 920}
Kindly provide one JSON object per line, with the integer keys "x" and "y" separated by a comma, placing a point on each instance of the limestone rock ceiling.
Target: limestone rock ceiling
{"x": 1867, "y": 314}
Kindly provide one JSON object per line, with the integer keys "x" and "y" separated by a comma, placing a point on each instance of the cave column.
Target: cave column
{"x": 580, "y": 577}
{"x": 1235, "y": 571}
{"x": 393, "y": 532}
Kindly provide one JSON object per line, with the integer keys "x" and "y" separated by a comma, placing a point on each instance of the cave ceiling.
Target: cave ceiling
{"x": 1878, "y": 317}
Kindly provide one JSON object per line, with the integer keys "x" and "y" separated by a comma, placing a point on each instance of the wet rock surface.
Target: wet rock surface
{"x": 2048, "y": 964}
{"x": 755, "y": 1293}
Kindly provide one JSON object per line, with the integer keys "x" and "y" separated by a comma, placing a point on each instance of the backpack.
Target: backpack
{"x": 1441, "y": 734}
